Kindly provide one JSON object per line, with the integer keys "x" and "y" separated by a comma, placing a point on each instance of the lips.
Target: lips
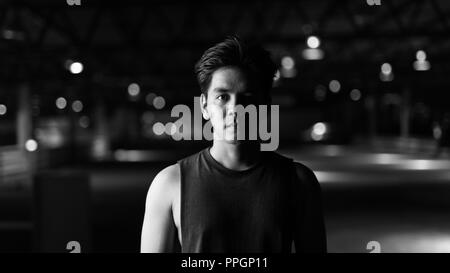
{"x": 234, "y": 124}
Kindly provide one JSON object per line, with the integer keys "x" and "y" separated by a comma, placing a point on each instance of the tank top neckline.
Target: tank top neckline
{"x": 210, "y": 159}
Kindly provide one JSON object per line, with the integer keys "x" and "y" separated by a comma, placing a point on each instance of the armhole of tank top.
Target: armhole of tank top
{"x": 181, "y": 203}
{"x": 292, "y": 204}
{"x": 296, "y": 206}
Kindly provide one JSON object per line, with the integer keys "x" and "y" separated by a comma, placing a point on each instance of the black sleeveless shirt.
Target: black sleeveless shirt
{"x": 227, "y": 211}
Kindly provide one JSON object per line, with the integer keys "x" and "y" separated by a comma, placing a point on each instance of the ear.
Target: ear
{"x": 203, "y": 104}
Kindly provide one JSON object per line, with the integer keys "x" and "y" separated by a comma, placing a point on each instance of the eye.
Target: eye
{"x": 222, "y": 97}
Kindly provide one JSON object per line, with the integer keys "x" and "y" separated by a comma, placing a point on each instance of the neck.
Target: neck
{"x": 239, "y": 157}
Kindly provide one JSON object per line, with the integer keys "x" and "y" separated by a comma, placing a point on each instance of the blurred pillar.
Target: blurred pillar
{"x": 405, "y": 113}
{"x": 24, "y": 125}
{"x": 62, "y": 212}
{"x": 24, "y": 131}
{"x": 101, "y": 144}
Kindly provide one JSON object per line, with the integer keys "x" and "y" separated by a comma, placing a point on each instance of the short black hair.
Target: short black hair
{"x": 251, "y": 58}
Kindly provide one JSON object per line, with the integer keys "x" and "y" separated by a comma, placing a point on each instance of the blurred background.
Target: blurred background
{"x": 87, "y": 87}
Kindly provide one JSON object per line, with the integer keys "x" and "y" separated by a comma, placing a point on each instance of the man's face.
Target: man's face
{"x": 229, "y": 87}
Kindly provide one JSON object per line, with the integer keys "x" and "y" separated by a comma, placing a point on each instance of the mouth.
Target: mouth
{"x": 233, "y": 124}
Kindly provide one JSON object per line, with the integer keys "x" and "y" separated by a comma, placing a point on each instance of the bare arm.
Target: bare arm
{"x": 159, "y": 233}
{"x": 309, "y": 235}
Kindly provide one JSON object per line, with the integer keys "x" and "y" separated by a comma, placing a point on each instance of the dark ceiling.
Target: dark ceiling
{"x": 157, "y": 43}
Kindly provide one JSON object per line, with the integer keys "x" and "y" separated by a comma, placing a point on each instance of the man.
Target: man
{"x": 232, "y": 197}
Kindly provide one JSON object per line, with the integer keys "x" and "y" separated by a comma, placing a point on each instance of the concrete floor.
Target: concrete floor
{"x": 399, "y": 199}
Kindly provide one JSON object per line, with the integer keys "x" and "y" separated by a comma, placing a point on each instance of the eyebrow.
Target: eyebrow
{"x": 221, "y": 90}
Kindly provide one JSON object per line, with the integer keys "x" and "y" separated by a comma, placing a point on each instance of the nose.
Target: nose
{"x": 235, "y": 99}
{"x": 230, "y": 110}
{"x": 231, "y": 103}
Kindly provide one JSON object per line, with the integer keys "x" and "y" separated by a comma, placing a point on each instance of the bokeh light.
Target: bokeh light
{"x": 3, "y": 109}
{"x": 76, "y": 68}
{"x": 77, "y": 106}
{"x": 334, "y": 86}
{"x": 355, "y": 95}
{"x": 158, "y": 128}
{"x": 313, "y": 42}
{"x": 61, "y": 103}
{"x": 159, "y": 102}
{"x": 31, "y": 145}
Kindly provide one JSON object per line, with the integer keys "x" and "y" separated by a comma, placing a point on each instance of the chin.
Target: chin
{"x": 234, "y": 142}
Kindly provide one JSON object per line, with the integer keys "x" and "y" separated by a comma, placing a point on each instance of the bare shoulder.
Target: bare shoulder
{"x": 306, "y": 176}
{"x": 165, "y": 183}
{"x": 168, "y": 175}
{"x": 157, "y": 228}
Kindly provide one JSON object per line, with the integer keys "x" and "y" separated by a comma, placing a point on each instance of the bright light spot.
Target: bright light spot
{"x": 288, "y": 67}
{"x": 76, "y": 68}
{"x": 158, "y": 128}
{"x": 419, "y": 164}
{"x": 61, "y": 103}
{"x": 386, "y": 69}
{"x": 3, "y": 109}
{"x": 313, "y": 42}
{"x": 423, "y": 241}
{"x": 421, "y": 55}
{"x": 288, "y": 63}
{"x": 319, "y": 128}
{"x": 312, "y": 54}
{"x": 77, "y": 106}
{"x": 159, "y": 102}
{"x": 421, "y": 65}
{"x": 134, "y": 89}
{"x": 318, "y": 131}
{"x": 100, "y": 147}
{"x": 335, "y": 86}
{"x": 171, "y": 128}
{"x": 424, "y": 165}
{"x": 277, "y": 76}
{"x": 355, "y": 95}
{"x": 149, "y": 98}
{"x": 31, "y": 145}
{"x": 84, "y": 122}
{"x": 386, "y": 74}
